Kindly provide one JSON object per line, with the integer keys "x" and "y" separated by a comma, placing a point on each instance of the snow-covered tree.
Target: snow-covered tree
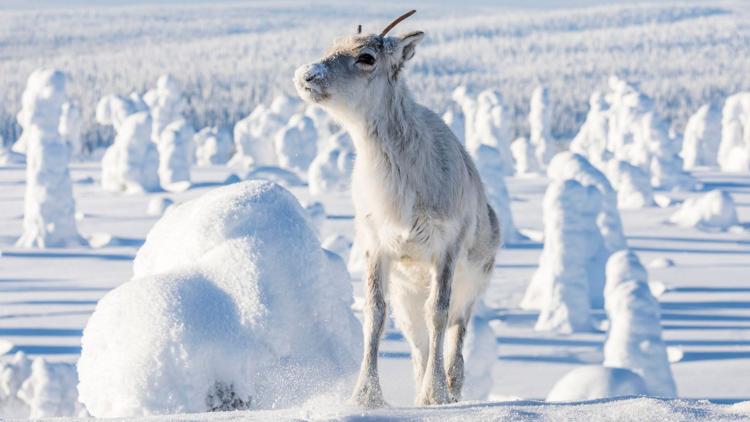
{"x": 524, "y": 156}
{"x": 560, "y": 288}
{"x": 331, "y": 169}
{"x": 734, "y": 149}
{"x": 166, "y": 104}
{"x": 296, "y": 144}
{"x": 539, "y": 126}
{"x": 591, "y": 140}
{"x": 212, "y": 146}
{"x": 631, "y": 184}
{"x": 49, "y": 208}
{"x": 492, "y": 128}
{"x": 131, "y": 163}
{"x": 480, "y": 354}
{"x": 700, "y": 144}
{"x": 175, "y": 156}
{"x": 490, "y": 166}
{"x": 456, "y": 121}
{"x": 570, "y": 166}
{"x": 634, "y": 339}
{"x": 285, "y": 106}
{"x": 465, "y": 97}
{"x": 254, "y": 138}
{"x": 70, "y": 128}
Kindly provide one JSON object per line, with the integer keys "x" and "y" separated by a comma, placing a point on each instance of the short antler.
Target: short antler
{"x": 397, "y": 21}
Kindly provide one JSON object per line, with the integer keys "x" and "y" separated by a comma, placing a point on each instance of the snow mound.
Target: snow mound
{"x": 634, "y": 339}
{"x": 661, "y": 263}
{"x": 37, "y": 388}
{"x": 597, "y": 382}
{"x": 713, "y": 210}
{"x": 212, "y": 146}
{"x": 233, "y": 305}
{"x": 338, "y": 244}
{"x": 316, "y": 212}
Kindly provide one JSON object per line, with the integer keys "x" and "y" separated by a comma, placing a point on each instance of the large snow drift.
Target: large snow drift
{"x": 233, "y": 304}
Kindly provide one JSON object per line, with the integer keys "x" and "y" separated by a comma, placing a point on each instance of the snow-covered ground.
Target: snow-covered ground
{"x": 46, "y": 296}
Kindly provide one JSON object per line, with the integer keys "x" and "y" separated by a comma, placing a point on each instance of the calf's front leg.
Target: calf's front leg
{"x": 367, "y": 392}
{"x": 434, "y": 389}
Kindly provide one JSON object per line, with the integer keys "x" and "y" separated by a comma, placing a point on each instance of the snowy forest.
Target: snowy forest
{"x": 238, "y": 210}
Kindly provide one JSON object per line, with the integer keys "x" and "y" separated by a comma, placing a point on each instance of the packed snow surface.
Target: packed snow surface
{"x": 233, "y": 304}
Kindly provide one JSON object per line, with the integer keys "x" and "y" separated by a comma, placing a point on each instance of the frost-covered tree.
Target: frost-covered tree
{"x": 539, "y": 126}
{"x": 634, "y": 339}
{"x": 631, "y": 183}
{"x": 490, "y": 166}
{"x": 285, "y": 106}
{"x": 700, "y": 144}
{"x": 734, "y": 149}
{"x": 175, "y": 156}
{"x": 212, "y": 146}
{"x": 324, "y": 125}
{"x": 480, "y": 354}
{"x": 70, "y": 128}
{"x": 524, "y": 156}
{"x": 465, "y": 97}
{"x": 491, "y": 128}
{"x": 296, "y": 144}
{"x": 567, "y": 165}
{"x": 560, "y": 288}
{"x": 331, "y": 169}
{"x": 131, "y": 163}
{"x": 49, "y": 208}
{"x": 166, "y": 104}
{"x": 456, "y": 121}
{"x": 591, "y": 140}
{"x": 638, "y": 135}
{"x": 254, "y": 138}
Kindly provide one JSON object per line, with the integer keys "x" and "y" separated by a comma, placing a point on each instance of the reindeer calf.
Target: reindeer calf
{"x": 422, "y": 216}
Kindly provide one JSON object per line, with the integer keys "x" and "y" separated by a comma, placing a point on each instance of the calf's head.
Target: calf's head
{"x": 357, "y": 71}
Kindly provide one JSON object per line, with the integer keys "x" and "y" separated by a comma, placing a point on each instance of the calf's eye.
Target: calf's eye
{"x": 366, "y": 59}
